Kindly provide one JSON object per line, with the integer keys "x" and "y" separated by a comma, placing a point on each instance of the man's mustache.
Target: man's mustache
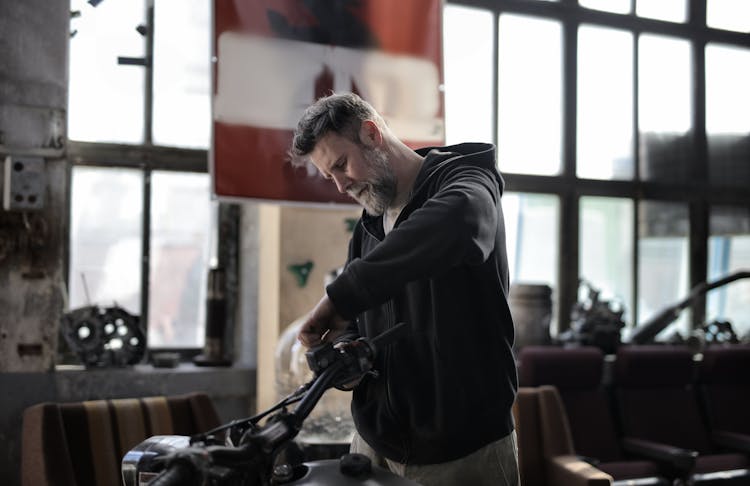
{"x": 357, "y": 191}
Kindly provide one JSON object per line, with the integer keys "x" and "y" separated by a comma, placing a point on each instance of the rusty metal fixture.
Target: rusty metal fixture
{"x": 104, "y": 336}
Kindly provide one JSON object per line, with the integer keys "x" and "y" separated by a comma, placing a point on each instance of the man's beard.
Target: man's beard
{"x": 377, "y": 193}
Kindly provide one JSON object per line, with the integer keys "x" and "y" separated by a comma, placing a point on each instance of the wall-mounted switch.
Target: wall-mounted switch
{"x": 24, "y": 184}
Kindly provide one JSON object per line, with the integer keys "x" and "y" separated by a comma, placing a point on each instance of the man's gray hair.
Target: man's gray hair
{"x": 342, "y": 114}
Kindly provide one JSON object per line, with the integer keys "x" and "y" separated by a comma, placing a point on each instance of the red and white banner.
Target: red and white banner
{"x": 276, "y": 57}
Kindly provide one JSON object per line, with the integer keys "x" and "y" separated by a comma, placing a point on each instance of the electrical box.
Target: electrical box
{"x": 25, "y": 183}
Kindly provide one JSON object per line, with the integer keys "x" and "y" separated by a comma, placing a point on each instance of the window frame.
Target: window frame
{"x": 697, "y": 192}
{"x": 148, "y": 158}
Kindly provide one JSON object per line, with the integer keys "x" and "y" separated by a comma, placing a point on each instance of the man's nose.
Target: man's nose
{"x": 342, "y": 182}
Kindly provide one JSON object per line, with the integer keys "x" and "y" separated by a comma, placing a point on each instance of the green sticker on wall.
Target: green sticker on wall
{"x": 301, "y": 271}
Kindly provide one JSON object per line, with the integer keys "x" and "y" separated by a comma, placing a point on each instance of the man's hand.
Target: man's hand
{"x": 323, "y": 323}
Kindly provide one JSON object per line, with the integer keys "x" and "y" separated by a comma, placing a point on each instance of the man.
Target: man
{"x": 429, "y": 250}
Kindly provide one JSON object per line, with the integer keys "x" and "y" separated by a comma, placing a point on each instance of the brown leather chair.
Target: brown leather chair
{"x": 82, "y": 443}
{"x": 545, "y": 447}
{"x": 526, "y": 417}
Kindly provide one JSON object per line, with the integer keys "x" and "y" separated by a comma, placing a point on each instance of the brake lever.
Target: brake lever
{"x": 320, "y": 357}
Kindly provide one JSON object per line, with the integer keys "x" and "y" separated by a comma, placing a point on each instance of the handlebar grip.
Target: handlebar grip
{"x": 178, "y": 473}
{"x": 389, "y": 336}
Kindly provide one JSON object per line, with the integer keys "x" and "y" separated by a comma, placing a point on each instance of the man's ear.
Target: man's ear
{"x": 370, "y": 134}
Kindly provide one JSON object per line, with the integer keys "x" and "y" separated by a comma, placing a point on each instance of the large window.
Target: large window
{"x": 728, "y": 114}
{"x": 623, "y": 128}
{"x": 467, "y": 43}
{"x": 142, "y": 221}
{"x": 671, "y": 10}
{"x": 623, "y": 134}
{"x": 728, "y": 15}
{"x": 605, "y": 103}
{"x": 606, "y": 249}
{"x": 179, "y": 255}
{"x": 182, "y": 82}
{"x": 106, "y": 99}
{"x": 729, "y": 251}
{"x": 532, "y": 233}
{"x": 663, "y": 261}
{"x": 665, "y": 109}
{"x": 106, "y": 238}
{"x": 530, "y": 95}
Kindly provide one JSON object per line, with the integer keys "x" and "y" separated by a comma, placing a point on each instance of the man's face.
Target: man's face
{"x": 359, "y": 171}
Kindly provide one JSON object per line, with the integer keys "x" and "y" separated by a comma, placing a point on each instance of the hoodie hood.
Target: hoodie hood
{"x": 476, "y": 154}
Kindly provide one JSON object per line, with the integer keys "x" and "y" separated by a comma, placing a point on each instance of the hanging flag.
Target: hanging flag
{"x": 273, "y": 58}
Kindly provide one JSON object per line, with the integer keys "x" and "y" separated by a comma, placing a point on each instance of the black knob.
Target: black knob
{"x": 355, "y": 465}
{"x": 283, "y": 473}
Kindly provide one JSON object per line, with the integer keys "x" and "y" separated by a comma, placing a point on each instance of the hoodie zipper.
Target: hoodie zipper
{"x": 390, "y": 402}
{"x": 390, "y": 315}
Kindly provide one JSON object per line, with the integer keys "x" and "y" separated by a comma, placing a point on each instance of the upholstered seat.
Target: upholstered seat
{"x": 657, "y": 402}
{"x": 82, "y": 443}
{"x": 545, "y": 450}
{"x": 724, "y": 381}
{"x": 576, "y": 373}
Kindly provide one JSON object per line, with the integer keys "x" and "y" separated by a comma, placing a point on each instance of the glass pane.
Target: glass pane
{"x": 664, "y": 107}
{"x": 532, "y": 235}
{"x": 670, "y": 10}
{"x": 728, "y": 114}
{"x": 182, "y": 67}
{"x": 468, "y": 51}
{"x": 106, "y": 100}
{"x": 616, "y": 6}
{"x": 729, "y": 252}
{"x": 605, "y": 103}
{"x": 181, "y": 227}
{"x": 663, "y": 257}
{"x": 105, "y": 238}
{"x": 728, "y": 15}
{"x": 530, "y": 95}
{"x": 606, "y": 248}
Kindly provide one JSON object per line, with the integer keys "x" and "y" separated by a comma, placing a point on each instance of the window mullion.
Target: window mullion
{"x": 699, "y": 210}
{"x": 146, "y": 249}
{"x": 570, "y": 99}
{"x": 637, "y": 203}
{"x": 149, "y": 74}
{"x": 147, "y": 140}
{"x": 636, "y": 170}
{"x": 495, "y": 75}
{"x": 568, "y": 271}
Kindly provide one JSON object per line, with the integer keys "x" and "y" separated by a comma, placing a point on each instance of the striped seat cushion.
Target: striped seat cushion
{"x": 83, "y": 443}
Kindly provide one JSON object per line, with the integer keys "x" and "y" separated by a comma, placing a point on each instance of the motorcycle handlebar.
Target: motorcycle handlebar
{"x": 329, "y": 376}
{"x": 181, "y": 470}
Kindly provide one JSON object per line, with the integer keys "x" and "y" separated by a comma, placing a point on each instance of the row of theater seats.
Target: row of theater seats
{"x": 659, "y": 416}
{"x": 82, "y": 443}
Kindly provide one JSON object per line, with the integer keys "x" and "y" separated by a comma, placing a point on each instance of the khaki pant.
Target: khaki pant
{"x": 495, "y": 464}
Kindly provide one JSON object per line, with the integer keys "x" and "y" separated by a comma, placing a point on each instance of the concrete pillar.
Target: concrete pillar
{"x": 33, "y": 103}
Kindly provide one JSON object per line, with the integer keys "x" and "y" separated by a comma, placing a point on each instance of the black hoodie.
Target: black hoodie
{"x": 447, "y": 388}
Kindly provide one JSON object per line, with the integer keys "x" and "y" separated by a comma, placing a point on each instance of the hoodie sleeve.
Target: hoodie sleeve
{"x": 456, "y": 225}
